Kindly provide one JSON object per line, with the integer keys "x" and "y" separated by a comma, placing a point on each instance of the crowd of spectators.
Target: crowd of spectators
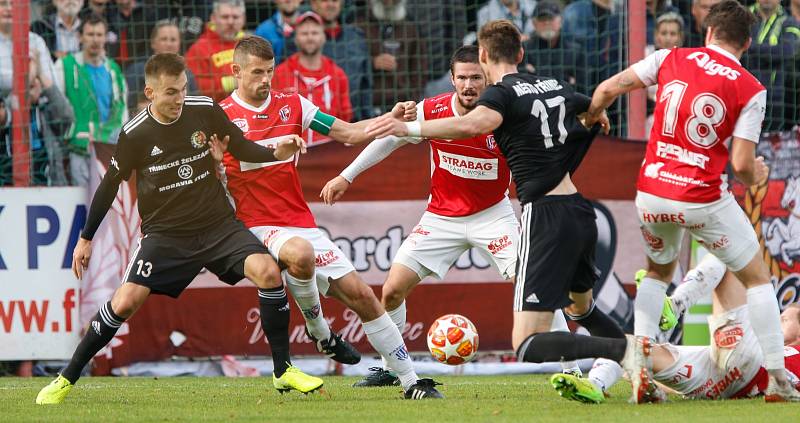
{"x": 352, "y": 58}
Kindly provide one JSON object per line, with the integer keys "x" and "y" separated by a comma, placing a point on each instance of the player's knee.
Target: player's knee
{"x": 366, "y": 304}
{"x": 298, "y": 255}
{"x": 576, "y": 309}
{"x": 391, "y": 297}
{"x": 124, "y": 306}
{"x": 266, "y": 274}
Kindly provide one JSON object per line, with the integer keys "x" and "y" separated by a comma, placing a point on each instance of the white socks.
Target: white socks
{"x": 398, "y": 316}
{"x": 387, "y": 341}
{"x": 560, "y": 325}
{"x": 647, "y": 308}
{"x": 765, "y": 320}
{"x": 605, "y": 373}
{"x": 306, "y": 295}
{"x": 699, "y": 282}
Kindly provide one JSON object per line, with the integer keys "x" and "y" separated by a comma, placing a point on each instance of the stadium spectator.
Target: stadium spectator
{"x": 312, "y": 75}
{"x": 210, "y": 58}
{"x": 346, "y": 46}
{"x": 134, "y": 22}
{"x": 597, "y": 27}
{"x": 279, "y": 27}
{"x": 190, "y": 16}
{"x": 50, "y": 121}
{"x": 36, "y": 45}
{"x": 94, "y": 85}
{"x": 547, "y": 53}
{"x": 795, "y": 7}
{"x": 165, "y": 38}
{"x": 60, "y": 28}
{"x": 696, "y": 37}
{"x": 668, "y": 34}
{"x": 772, "y": 59}
{"x": 517, "y": 11}
{"x": 399, "y": 59}
{"x": 654, "y": 9}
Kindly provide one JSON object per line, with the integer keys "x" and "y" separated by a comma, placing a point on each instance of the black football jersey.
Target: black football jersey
{"x": 540, "y": 136}
{"x": 176, "y": 180}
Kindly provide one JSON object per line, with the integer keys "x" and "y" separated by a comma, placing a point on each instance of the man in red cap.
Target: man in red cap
{"x": 314, "y": 76}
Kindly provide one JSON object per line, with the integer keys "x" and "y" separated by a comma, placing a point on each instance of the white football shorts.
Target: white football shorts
{"x": 721, "y": 370}
{"x": 721, "y": 227}
{"x": 438, "y": 241}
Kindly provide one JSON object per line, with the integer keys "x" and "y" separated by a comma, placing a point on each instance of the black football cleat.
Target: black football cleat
{"x": 378, "y": 376}
{"x": 337, "y": 349}
{"x": 423, "y": 389}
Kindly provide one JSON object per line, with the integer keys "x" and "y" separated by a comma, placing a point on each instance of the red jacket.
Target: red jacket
{"x": 326, "y": 87}
{"x": 210, "y": 59}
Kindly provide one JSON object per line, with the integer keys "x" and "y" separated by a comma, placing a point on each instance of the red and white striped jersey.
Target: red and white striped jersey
{"x": 705, "y": 97}
{"x": 468, "y": 175}
{"x": 269, "y": 194}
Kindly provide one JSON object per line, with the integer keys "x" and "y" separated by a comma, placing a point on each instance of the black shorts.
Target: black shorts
{"x": 167, "y": 264}
{"x": 556, "y": 252}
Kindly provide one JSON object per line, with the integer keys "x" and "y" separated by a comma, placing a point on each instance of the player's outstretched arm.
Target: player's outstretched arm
{"x": 482, "y": 120}
{"x": 375, "y": 152}
{"x": 101, "y": 202}
{"x": 605, "y": 94}
{"x": 354, "y": 133}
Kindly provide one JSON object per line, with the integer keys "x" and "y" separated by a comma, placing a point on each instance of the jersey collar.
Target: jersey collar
{"x": 160, "y": 122}
{"x": 247, "y": 106}
{"x": 453, "y": 100}
{"x": 724, "y": 52}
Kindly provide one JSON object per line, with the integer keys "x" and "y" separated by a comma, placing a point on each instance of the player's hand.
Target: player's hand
{"x": 218, "y": 147}
{"x": 287, "y": 147}
{"x": 405, "y": 111}
{"x": 80, "y": 257}
{"x": 761, "y": 171}
{"x": 334, "y": 190}
{"x": 589, "y": 121}
{"x": 386, "y": 125}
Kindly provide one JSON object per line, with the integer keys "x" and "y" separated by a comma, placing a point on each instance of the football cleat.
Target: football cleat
{"x": 777, "y": 392}
{"x": 295, "y": 379}
{"x": 637, "y": 363}
{"x": 424, "y": 388}
{"x": 576, "y": 388}
{"x": 378, "y": 376}
{"x": 574, "y": 371}
{"x": 55, "y": 391}
{"x": 336, "y": 348}
{"x": 669, "y": 319}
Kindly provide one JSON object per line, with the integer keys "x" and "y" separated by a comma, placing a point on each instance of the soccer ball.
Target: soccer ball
{"x": 453, "y": 339}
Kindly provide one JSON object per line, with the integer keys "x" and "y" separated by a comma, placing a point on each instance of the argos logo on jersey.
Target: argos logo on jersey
{"x": 468, "y": 167}
{"x": 705, "y": 62}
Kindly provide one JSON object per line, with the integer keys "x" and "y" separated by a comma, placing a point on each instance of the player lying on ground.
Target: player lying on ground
{"x": 187, "y": 221}
{"x": 535, "y": 123}
{"x": 731, "y": 367}
{"x": 468, "y": 206}
{"x": 706, "y": 99}
{"x": 269, "y": 200}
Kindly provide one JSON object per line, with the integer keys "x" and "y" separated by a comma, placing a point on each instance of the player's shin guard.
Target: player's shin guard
{"x": 647, "y": 308}
{"x": 598, "y": 323}
{"x": 306, "y": 295}
{"x": 398, "y": 317}
{"x": 560, "y": 346}
{"x": 101, "y": 330}
{"x": 274, "y": 307}
{"x": 387, "y": 341}
{"x": 765, "y": 320}
{"x": 560, "y": 325}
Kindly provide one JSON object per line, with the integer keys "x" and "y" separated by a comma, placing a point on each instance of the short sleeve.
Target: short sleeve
{"x": 124, "y": 159}
{"x": 308, "y": 110}
{"x": 497, "y": 97}
{"x": 748, "y": 126}
{"x": 647, "y": 68}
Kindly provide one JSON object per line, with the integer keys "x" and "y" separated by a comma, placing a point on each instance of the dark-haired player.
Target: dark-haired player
{"x": 187, "y": 221}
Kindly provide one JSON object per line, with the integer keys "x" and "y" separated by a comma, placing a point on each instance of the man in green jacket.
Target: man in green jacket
{"x": 95, "y": 86}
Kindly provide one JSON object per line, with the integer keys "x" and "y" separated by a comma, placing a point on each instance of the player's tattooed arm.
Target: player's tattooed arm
{"x": 482, "y": 120}
{"x": 605, "y": 94}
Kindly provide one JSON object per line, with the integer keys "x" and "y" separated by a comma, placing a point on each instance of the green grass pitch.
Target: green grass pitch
{"x": 526, "y": 398}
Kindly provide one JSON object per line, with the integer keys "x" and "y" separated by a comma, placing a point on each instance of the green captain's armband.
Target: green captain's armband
{"x": 322, "y": 123}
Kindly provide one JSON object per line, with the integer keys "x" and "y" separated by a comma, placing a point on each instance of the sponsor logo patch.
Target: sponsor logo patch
{"x": 285, "y": 113}
{"x": 242, "y": 124}
{"x": 499, "y": 244}
{"x": 198, "y": 139}
{"x": 655, "y": 243}
{"x": 326, "y": 258}
{"x": 728, "y": 336}
{"x": 468, "y": 167}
